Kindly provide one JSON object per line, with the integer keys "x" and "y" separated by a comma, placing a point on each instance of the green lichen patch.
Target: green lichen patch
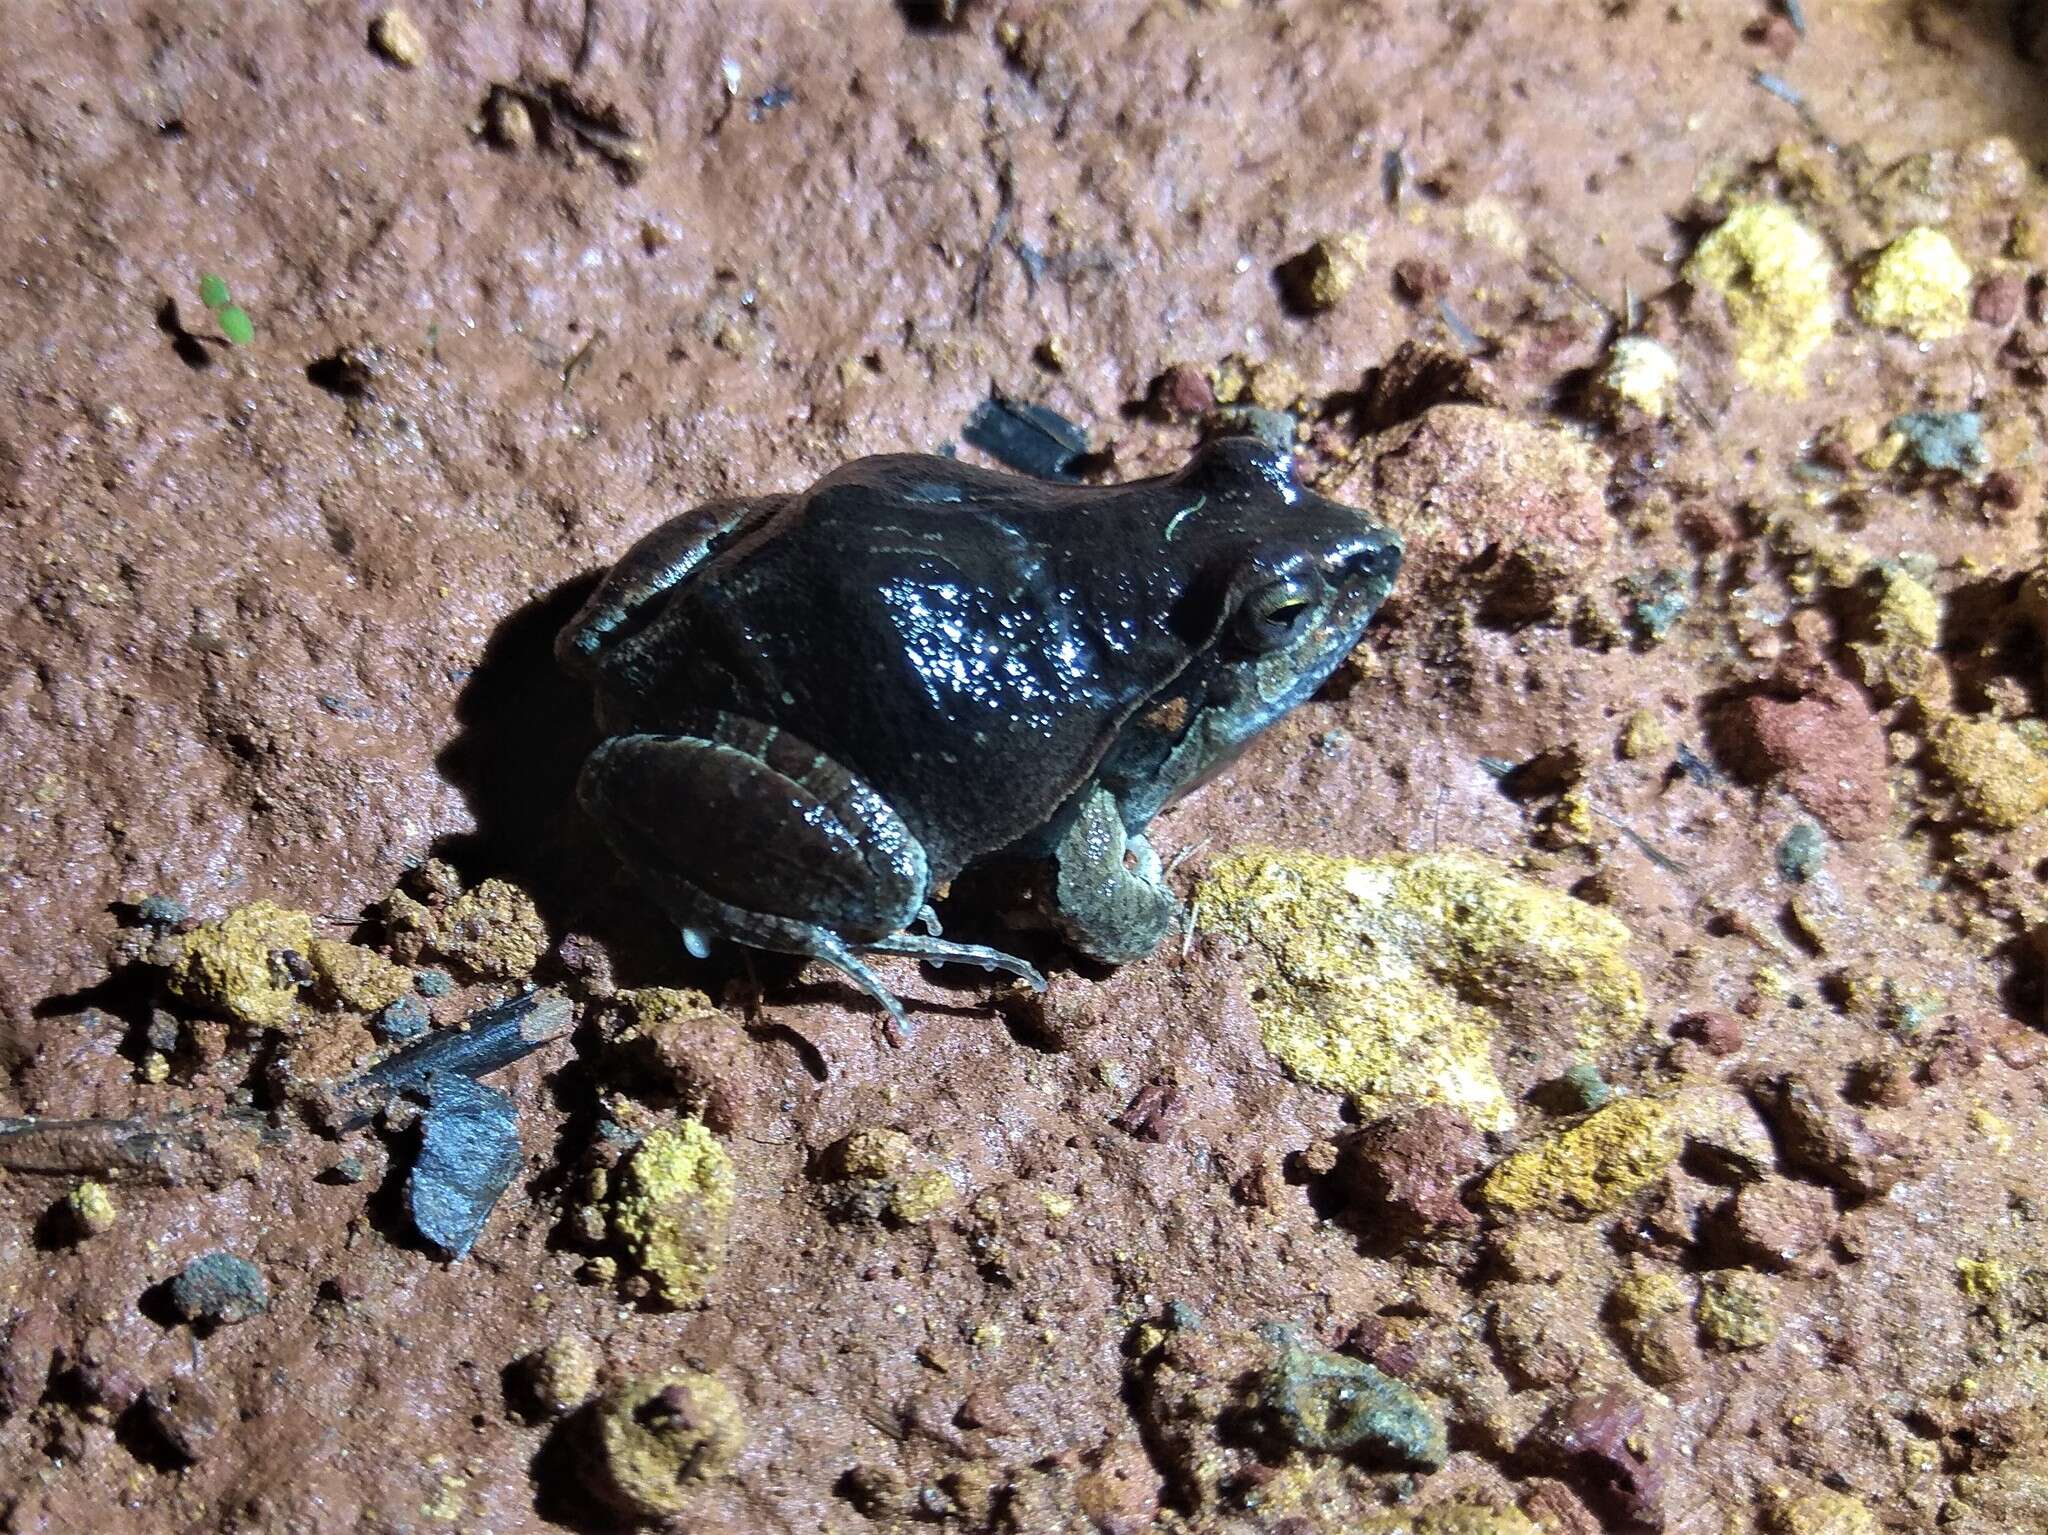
{"x": 1329, "y": 1404}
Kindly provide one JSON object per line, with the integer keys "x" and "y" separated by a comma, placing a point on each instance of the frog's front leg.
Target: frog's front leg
{"x": 1108, "y": 906}
{"x": 745, "y": 832}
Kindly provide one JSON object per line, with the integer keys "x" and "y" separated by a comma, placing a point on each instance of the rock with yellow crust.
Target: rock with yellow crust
{"x": 1389, "y": 979}
{"x": 1917, "y": 284}
{"x": 1599, "y": 1163}
{"x": 650, "y": 1444}
{"x": 669, "y": 1207}
{"x": 1999, "y": 780}
{"x": 1779, "y": 284}
{"x": 1817, "y": 1511}
{"x": 358, "y": 979}
{"x": 241, "y": 965}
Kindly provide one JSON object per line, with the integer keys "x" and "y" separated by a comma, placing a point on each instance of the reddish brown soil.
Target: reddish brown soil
{"x": 272, "y": 626}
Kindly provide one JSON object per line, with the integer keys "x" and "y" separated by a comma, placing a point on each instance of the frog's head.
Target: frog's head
{"x": 1280, "y": 584}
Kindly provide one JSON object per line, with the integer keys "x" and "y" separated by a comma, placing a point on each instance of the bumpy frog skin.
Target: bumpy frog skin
{"x": 821, "y": 707}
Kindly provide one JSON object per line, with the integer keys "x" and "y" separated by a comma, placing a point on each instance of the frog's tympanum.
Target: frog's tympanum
{"x": 821, "y": 707}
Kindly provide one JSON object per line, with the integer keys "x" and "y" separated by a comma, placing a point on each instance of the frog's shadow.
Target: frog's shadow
{"x": 524, "y": 728}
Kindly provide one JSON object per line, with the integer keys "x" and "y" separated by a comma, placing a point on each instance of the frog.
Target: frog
{"x": 818, "y": 708}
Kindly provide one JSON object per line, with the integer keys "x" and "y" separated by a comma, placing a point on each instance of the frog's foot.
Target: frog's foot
{"x": 749, "y": 834}
{"x": 939, "y": 951}
{"x": 1109, "y": 897}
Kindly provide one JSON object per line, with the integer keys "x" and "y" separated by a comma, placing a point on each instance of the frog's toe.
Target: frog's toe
{"x": 939, "y": 951}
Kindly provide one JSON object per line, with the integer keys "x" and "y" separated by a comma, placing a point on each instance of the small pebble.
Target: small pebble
{"x": 401, "y": 1020}
{"x": 184, "y": 1417}
{"x": 348, "y": 1170}
{"x": 562, "y": 1375}
{"x": 89, "y": 1209}
{"x": 220, "y": 1288}
{"x": 395, "y": 35}
{"x": 508, "y": 122}
{"x": 1318, "y": 278}
{"x": 433, "y": 983}
{"x": 162, "y": 910}
{"x": 1803, "y": 851}
{"x": 1420, "y": 280}
{"x": 1585, "y": 1086}
{"x": 163, "y": 1031}
{"x": 1718, "y": 1033}
{"x": 1998, "y": 299}
{"x": 1184, "y": 390}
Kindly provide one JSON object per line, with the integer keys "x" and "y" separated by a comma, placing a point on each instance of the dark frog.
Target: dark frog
{"x": 823, "y": 706}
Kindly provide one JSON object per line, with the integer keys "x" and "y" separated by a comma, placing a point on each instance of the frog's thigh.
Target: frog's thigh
{"x": 660, "y": 560}
{"x": 757, "y": 836}
{"x": 1105, "y": 908}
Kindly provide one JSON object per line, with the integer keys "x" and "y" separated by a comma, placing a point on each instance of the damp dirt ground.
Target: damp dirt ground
{"x": 275, "y": 624}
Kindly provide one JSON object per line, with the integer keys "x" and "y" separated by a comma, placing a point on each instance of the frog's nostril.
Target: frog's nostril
{"x": 1373, "y": 560}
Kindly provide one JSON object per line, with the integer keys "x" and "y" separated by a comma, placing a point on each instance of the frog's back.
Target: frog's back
{"x": 967, "y": 642}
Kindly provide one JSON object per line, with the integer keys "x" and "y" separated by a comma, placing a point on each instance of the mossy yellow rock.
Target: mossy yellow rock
{"x": 1779, "y": 284}
{"x": 1606, "y": 1158}
{"x": 1918, "y": 284}
{"x": 1999, "y": 780}
{"x": 1389, "y": 979}
{"x": 234, "y": 965}
{"x": 670, "y": 1209}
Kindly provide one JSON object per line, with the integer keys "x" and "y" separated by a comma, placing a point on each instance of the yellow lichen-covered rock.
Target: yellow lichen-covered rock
{"x": 89, "y": 1209}
{"x": 875, "y": 1178}
{"x": 649, "y": 1444}
{"x": 1895, "y": 632}
{"x": 918, "y": 1196}
{"x": 1917, "y": 284}
{"x": 1320, "y": 276}
{"x": 1817, "y": 1511}
{"x": 1607, "y": 1157}
{"x": 670, "y": 1204}
{"x": 1638, "y": 374}
{"x": 1738, "y": 1308}
{"x": 1644, "y": 735}
{"x": 1389, "y": 979}
{"x": 1648, "y": 1309}
{"x": 359, "y": 979}
{"x": 1779, "y": 285}
{"x": 494, "y": 931}
{"x": 877, "y": 1151}
{"x": 1452, "y": 1519}
{"x": 1998, "y": 779}
{"x": 236, "y": 965}
{"x": 654, "y": 1007}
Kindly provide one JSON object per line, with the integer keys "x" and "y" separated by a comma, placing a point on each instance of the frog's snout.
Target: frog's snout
{"x": 1375, "y": 559}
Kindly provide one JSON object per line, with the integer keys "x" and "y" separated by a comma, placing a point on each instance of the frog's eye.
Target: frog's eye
{"x": 1274, "y": 615}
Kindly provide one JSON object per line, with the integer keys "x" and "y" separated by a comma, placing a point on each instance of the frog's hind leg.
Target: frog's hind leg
{"x": 661, "y": 560}
{"x": 748, "y": 833}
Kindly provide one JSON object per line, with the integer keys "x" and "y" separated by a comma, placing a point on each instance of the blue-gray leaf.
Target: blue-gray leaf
{"x": 469, "y": 1152}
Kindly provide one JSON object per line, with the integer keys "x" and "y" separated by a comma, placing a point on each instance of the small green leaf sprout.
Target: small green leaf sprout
{"x": 233, "y": 320}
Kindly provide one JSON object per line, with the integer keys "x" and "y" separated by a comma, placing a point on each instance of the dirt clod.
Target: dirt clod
{"x": 651, "y": 1442}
